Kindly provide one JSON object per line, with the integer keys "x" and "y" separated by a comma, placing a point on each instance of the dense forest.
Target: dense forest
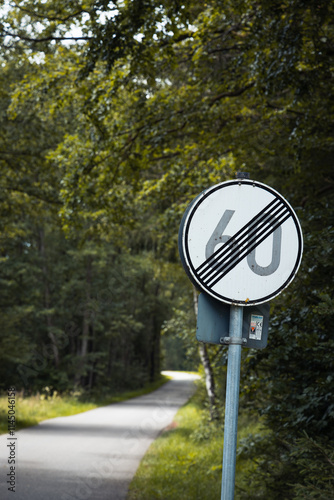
{"x": 114, "y": 116}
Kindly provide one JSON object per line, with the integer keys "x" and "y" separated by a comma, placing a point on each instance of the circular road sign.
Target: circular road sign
{"x": 241, "y": 242}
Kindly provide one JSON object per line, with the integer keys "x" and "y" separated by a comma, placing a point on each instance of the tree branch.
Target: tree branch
{"x": 233, "y": 93}
{"x": 51, "y": 18}
{"x": 45, "y": 39}
{"x": 176, "y": 39}
{"x": 34, "y": 195}
{"x": 165, "y": 157}
{"x": 225, "y": 49}
{"x": 19, "y": 153}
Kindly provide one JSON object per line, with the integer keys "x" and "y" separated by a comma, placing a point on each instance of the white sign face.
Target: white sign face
{"x": 241, "y": 242}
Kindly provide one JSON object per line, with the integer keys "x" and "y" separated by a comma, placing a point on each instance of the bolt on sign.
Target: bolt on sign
{"x": 241, "y": 242}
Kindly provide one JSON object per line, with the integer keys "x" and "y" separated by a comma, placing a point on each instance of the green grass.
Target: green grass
{"x": 186, "y": 461}
{"x": 34, "y": 409}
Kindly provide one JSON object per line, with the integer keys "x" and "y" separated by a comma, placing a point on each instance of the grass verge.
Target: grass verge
{"x": 34, "y": 409}
{"x": 186, "y": 461}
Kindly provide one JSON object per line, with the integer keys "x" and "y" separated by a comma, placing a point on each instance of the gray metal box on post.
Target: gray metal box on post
{"x": 213, "y": 323}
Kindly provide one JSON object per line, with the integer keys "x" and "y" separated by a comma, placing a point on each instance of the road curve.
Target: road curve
{"x": 92, "y": 455}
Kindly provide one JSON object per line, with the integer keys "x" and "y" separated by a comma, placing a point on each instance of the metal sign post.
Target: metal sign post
{"x": 232, "y": 403}
{"x": 240, "y": 243}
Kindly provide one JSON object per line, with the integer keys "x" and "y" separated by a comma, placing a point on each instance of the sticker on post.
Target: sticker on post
{"x": 256, "y": 324}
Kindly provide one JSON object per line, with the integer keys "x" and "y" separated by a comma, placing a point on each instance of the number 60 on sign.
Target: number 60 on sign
{"x": 241, "y": 242}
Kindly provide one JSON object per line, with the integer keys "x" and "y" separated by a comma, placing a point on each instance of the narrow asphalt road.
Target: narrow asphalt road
{"x": 93, "y": 455}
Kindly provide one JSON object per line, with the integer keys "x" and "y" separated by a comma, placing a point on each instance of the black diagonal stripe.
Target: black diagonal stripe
{"x": 250, "y": 249}
{"x": 250, "y": 229}
{"x": 255, "y": 239}
{"x": 253, "y": 221}
{"x": 239, "y": 235}
{"x": 253, "y": 229}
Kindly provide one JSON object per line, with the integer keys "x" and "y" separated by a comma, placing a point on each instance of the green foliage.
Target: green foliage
{"x": 303, "y": 467}
{"x": 299, "y": 367}
{"x": 315, "y": 459}
{"x": 101, "y": 312}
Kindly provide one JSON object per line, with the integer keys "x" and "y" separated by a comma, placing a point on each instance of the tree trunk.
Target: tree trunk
{"x": 209, "y": 376}
{"x": 110, "y": 358}
{"x": 155, "y": 351}
{"x": 155, "y": 346}
{"x": 83, "y": 349}
{"x": 91, "y": 377}
{"x": 47, "y": 298}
